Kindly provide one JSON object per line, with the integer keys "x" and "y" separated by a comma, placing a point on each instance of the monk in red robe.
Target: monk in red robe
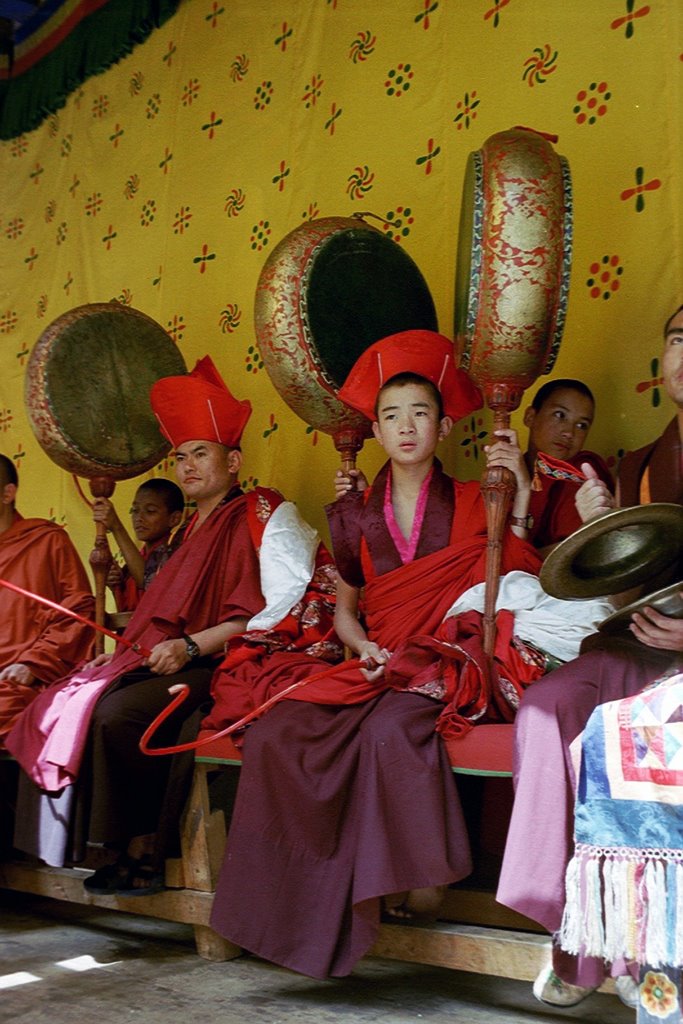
{"x": 559, "y": 419}
{"x": 38, "y": 645}
{"x": 87, "y": 729}
{"x": 346, "y": 801}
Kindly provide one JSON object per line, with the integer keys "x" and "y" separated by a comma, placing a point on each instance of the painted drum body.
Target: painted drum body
{"x": 87, "y": 390}
{"x": 330, "y": 289}
{"x": 514, "y": 256}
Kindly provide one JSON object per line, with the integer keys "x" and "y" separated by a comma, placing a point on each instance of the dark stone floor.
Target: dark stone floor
{"x": 67, "y": 964}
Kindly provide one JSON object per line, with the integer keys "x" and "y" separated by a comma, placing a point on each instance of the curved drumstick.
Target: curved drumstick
{"x": 184, "y": 689}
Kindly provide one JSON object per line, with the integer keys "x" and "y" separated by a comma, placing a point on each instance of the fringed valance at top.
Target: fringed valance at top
{"x": 61, "y": 46}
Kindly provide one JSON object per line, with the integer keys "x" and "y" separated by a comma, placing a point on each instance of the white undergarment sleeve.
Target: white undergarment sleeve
{"x": 287, "y": 560}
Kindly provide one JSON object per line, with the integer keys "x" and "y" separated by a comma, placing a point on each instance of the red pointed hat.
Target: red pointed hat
{"x": 423, "y": 352}
{"x": 199, "y": 407}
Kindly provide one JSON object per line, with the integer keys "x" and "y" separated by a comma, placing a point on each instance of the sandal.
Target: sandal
{"x": 104, "y": 881}
{"x": 418, "y": 906}
{"x": 140, "y": 871}
{"x": 400, "y": 914}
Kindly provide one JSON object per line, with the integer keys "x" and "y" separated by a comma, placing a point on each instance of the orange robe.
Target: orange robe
{"x": 37, "y": 555}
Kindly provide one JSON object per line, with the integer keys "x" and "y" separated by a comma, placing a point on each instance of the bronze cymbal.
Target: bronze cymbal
{"x": 619, "y": 550}
{"x": 668, "y": 601}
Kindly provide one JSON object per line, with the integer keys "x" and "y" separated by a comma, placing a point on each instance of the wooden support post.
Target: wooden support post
{"x": 202, "y": 844}
{"x": 100, "y": 557}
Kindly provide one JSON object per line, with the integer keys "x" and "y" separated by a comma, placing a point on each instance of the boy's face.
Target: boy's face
{"x": 150, "y": 516}
{"x": 408, "y": 425}
{"x": 560, "y": 427}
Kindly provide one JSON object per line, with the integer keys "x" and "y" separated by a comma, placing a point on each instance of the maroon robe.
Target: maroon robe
{"x": 338, "y": 805}
{"x": 212, "y": 577}
{"x": 653, "y": 472}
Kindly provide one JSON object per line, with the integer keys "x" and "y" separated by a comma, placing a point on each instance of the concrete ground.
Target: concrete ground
{"x": 62, "y": 963}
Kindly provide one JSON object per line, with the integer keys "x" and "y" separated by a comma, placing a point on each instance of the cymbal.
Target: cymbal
{"x": 619, "y": 550}
{"x": 668, "y": 601}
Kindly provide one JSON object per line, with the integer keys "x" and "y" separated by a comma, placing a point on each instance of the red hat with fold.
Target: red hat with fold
{"x": 198, "y": 406}
{"x": 425, "y": 353}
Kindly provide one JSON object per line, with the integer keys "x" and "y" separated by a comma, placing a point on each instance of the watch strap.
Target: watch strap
{"x": 192, "y": 647}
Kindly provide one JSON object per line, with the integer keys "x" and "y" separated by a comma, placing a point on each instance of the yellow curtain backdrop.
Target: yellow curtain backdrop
{"x": 166, "y": 182}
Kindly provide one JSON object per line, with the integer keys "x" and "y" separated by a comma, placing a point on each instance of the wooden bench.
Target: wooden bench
{"x": 473, "y": 933}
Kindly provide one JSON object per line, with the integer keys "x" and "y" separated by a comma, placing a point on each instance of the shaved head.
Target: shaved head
{"x": 8, "y": 472}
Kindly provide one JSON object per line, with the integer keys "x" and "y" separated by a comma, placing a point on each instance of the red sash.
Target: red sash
{"x": 414, "y": 598}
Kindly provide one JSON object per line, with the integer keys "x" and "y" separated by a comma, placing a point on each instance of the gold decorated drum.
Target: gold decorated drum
{"x": 87, "y": 390}
{"x": 514, "y": 256}
{"x": 330, "y": 289}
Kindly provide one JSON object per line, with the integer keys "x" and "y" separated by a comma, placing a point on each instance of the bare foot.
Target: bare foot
{"x": 141, "y": 846}
{"x": 418, "y": 904}
{"x": 394, "y": 905}
{"x": 426, "y": 902}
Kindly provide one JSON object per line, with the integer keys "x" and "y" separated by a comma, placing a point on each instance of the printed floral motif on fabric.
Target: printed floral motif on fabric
{"x": 263, "y": 510}
{"x": 509, "y": 692}
{"x": 660, "y": 996}
{"x": 435, "y": 688}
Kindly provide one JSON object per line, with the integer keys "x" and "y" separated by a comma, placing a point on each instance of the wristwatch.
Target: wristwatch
{"x": 526, "y": 522}
{"x": 192, "y": 648}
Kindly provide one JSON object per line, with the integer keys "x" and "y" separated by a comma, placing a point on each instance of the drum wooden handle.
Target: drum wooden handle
{"x": 348, "y": 443}
{"x": 100, "y": 556}
{"x": 498, "y": 486}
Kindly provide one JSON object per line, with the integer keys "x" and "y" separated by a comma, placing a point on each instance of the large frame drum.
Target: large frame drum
{"x": 328, "y": 290}
{"x": 87, "y": 389}
{"x": 514, "y": 260}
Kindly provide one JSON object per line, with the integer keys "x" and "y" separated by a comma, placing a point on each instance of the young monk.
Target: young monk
{"x": 346, "y": 803}
{"x": 156, "y": 511}
{"x": 559, "y": 418}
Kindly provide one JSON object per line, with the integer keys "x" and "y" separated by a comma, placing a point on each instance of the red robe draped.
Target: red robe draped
{"x": 553, "y": 506}
{"x": 212, "y": 577}
{"x": 408, "y": 601}
{"x": 345, "y": 791}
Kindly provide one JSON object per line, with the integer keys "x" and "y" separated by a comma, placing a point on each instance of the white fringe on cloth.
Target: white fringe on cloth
{"x": 624, "y": 903}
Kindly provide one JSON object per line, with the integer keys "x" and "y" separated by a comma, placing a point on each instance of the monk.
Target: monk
{"x": 87, "y": 730}
{"x": 346, "y": 805}
{"x": 38, "y": 645}
{"x": 559, "y": 419}
{"x": 555, "y": 709}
